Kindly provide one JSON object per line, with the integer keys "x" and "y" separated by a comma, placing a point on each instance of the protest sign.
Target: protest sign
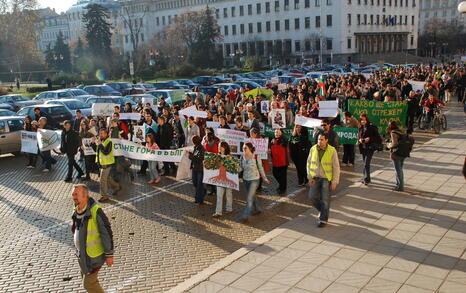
{"x": 130, "y": 116}
{"x": 265, "y": 107}
{"x": 136, "y": 151}
{"x": 192, "y": 111}
{"x": 328, "y": 109}
{"x": 48, "y": 139}
{"x": 306, "y": 121}
{"x": 103, "y": 109}
{"x": 278, "y": 118}
{"x": 139, "y": 134}
{"x": 221, "y": 170}
{"x": 347, "y": 135}
{"x": 29, "y": 142}
{"x": 234, "y": 138}
{"x": 184, "y": 167}
{"x": 380, "y": 113}
{"x": 282, "y": 86}
{"x": 177, "y": 96}
{"x": 88, "y": 150}
{"x": 417, "y": 85}
{"x": 215, "y": 125}
{"x": 270, "y": 132}
{"x": 260, "y": 144}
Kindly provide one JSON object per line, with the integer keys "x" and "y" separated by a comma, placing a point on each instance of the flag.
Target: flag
{"x": 321, "y": 85}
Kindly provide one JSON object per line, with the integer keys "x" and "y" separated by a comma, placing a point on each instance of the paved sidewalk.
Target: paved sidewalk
{"x": 376, "y": 241}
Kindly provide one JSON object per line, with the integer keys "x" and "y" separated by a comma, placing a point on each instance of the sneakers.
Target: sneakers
{"x": 321, "y": 224}
{"x": 30, "y": 167}
{"x": 46, "y": 170}
{"x": 216, "y": 215}
{"x": 68, "y": 180}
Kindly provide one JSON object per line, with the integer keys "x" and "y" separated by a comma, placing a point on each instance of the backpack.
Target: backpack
{"x": 377, "y": 144}
{"x": 405, "y": 145}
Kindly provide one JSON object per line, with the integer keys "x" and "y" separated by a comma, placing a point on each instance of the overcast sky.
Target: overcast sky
{"x": 59, "y": 5}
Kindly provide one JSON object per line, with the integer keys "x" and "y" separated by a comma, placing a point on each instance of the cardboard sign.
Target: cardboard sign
{"x": 29, "y": 142}
{"x": 328, "y": 109}
{"x": 103, "y": 109}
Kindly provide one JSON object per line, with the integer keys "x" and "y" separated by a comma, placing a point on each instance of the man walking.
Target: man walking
{"x": 70, "y": 142}
{"x": 323, "y": 171}
{"x": 106, "y": 160}
{"x": 92, "y": 236}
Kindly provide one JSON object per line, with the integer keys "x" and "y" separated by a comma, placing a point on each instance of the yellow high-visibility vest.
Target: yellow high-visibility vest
{"x": 102, "y": 159}
{"x": 94, "y": 247}
{"x": 326, "y": 162}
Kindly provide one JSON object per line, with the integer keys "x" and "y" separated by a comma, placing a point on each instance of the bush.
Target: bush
{"x": 38, "y": 89}
{"x": 253, "y": 63}
{"x": 185, "y": 70}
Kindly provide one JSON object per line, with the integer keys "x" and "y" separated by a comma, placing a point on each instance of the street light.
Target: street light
{"x": 462, "y": 7}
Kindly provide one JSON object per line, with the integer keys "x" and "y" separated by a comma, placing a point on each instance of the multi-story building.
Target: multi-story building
{"x": 48, "y": 29}
{"x": 443, "y": 10}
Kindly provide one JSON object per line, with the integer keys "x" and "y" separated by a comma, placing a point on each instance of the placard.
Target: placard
{"x": 48, "y": 139}
{"x": 260, "y": 144}
{"x": 265, "y": 107}
{"x": 192, "y": 111}
{"x": 234, "y": 138}
{"x": 278, "y": 118}
{"x": 347, "y": 135}
{"x": 103, "y": 109}
{"x": 328, "y": 109}
{"x": 130, "y": 116}
{"x": 215, "y": 125}
{"x": 29, "y": 142}
{"x": 417, "y": 85}
{"x": 88, "y": 150}
{"x": 307, "y": 122}
{"x": 136, "y": 151}
{"x": 139, "y": 134}
{"x": 221, "y": 170}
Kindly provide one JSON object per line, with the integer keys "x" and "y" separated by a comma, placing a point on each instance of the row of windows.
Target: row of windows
{"x": 136, "y": 37}
{"x": 454, "y": 12}
{"x": 53, "y": 35}
{"x": 309, "y": 45}
{"x": 385, "y": 2}
{"x": 380, "y": 19}
{"x": 135, "y": 22}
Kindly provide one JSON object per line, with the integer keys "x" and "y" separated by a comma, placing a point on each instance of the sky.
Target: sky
{"x": 59, "y": 5}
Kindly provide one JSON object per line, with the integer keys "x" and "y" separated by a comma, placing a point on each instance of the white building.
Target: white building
{"x": 444, "y": 10}
{"x": 48, "y": 29}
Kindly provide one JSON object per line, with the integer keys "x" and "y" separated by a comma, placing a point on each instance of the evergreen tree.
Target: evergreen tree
{"x": 49, "y": 57}
{"x": 79, "y": 51}
{"x": 61, "y": 53}
{"x": 98, "y": 32}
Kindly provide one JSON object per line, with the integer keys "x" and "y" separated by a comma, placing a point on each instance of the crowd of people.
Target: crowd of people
{"x": 313, "y": 154}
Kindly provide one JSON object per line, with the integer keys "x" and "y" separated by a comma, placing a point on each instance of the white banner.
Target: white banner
{"x": 103, "y": 109}
{"x": 417, "y": 85}
{"x": 307, "y": 122}
{"x": 29, "y": 142}
{"x": 234, "y": 138}
{"x": 48, "y": 139}
{"x": 130, "y": 116}
{"x": 192, "y": 111}
{"x": 215, "y": 125}
{"x": 88, "y": 150}
{"x": 136, "y": 151}
{"x": 328, "y": 109}
{"x": 278, "y": 118}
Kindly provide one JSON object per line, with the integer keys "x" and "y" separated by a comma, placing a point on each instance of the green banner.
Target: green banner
{"x": 380, "y": 113}
{"x": 270, "y": 132}
{"x": 347, "y": 135}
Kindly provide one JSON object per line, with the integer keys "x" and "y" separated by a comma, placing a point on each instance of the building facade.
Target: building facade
{"x": 48, "y": 29}
{"x": 443, "y": 10}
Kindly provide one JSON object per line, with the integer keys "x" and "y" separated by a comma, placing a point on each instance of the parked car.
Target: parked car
{"x": 121, "y": 101}
{"x": 146, "y": 86}
{"x": 53, "y": 95}
{"x": 6, "y": 106}
{"x": 204, "y": 80}
{"x": 170, "y": 96}
{"x": 55, "y": 114}
{"x": 10, "y": 134}
{"x": 187, "y": 82}
{"x": 228, "y": 86}
{"x": 123, "y": 88}
{"x": 138, "y": 98}
{"x": 171, "y": 84}
{"x": 5, "y": 112}
{"x": 210, "y": 90}
{"x": 72, "y": 105}
{"x": 80, "y": 94}
{"x": 250, "y": 84}
{"x": 101, "y": 90}
{"x": 16, "y": 101}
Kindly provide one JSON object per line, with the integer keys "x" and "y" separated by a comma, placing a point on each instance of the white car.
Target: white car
{"x": 72, "y": 105}
{"x": 10, "y": 134}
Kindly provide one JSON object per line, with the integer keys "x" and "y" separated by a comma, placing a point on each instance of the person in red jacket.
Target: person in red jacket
{"x": 430, "y": 105}
{"x": 279, "y": 152}
{"x": 211, "y": 146}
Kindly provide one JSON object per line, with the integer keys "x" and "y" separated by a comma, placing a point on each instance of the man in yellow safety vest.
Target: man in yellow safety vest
{"x": 93, "y": 237}
{"x": 323, "y": 171}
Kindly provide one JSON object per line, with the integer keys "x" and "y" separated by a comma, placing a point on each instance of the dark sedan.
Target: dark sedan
{"x": 17, "y": 101}
{"x": 55, "y": 114}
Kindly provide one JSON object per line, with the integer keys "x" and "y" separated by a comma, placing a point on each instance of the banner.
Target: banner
{"x": 234, "y": 138}
{"x": 139, "y": 134}
{"x": 103, "y": 109}
{"x": 136, "y": 151}
{"x": 88, "y": 150}
{"x": 278, "y": 118}
{"x": 270, "y": 132}
{"x": 215, "y": 125}
{"x": 177, "y": 96}
{"x": 347, "y": 135}
{"x": 328, "y": 109}
{"x": 192, "y": 111}
{"x": 307, "y": 122}
{"x": 48, "y": 139}
{"x": 29, "y": 142}
{"x": 130, "y": 116}
{"x": 221, "y": 170}
{"x": 260, "y": 144}
{"x": 380, "y": 113}
{"x": 417, "y": 85}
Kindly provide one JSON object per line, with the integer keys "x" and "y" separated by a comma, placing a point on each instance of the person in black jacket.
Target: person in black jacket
{"x": 299, "y": 150}
{"x": 197, "y": 159}
{"x": 413, "y": 110}
{"x": 70, "y": 143}
{"x": 368, "y": 139}
{"x": 164, "y": 140}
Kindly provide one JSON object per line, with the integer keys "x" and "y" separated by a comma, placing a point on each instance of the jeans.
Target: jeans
{"x": 367, "y": 158}
{"x": 279, "y": 173}
{"x": 197, "y": 182}
{"x": 398, "y": 164}
{"x": 301, "y": 170}
{"x": 32, "y": 159}
{"x": 348, "y": 154}
{"x": 410, "y": 122}
{"x": 320, "y": 197}
{"x": 89, "y": 163}
{"x": 153, "y": 173}
{"x": 47, "y": 159}
{"x": 106, "y": 179}
{"x": 251, "y": 199}
{"x": 229, "y": 195}
{"x": 72, "y": 164}
{"x": 167, "y": 166}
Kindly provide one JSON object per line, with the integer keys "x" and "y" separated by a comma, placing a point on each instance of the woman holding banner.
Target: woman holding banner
{"x": 252, "y": 171}
{"x": 224, "y": 149}
{"x": 153, "y": 173}
{"x": 30, "y": 126}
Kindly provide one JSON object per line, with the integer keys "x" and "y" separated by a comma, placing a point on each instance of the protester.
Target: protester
{"x": 398, "y": 161}
{"x": 122, "y": 164}
{"x": 106, "y": 160}
{"x": 153, "y": 173}
{"x": 150, "y": 126}
{"x": 192, "y": 131}
{"x": 368, "y": 137}
{"x": 46, "y": 156}
{"x": 93, "y": 238}
{"x": 299, "y": 151}
{"x": 70, "y": 143}
{"x": 324, "y": 175}
{"x": 30, "y": 125}
{"x": 331, "y": 134}
{"x": 348, "y": 149}
{"x": 224, "y": 149}
{"x": 252, "y": 171}
{"x": 279, "y": 152}
{"x": 164, "y": 139}
{"x": 89, "y": 159}
{"x": 197, "y": 158}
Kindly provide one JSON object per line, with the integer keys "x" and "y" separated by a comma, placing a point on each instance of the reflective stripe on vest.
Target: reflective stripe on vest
{"x": 94, "y": 247}
{"x": 326, "y": 162}
{"x": 103, "y": 159}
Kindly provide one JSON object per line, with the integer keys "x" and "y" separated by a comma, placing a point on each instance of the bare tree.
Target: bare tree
{"x": 134, "y": 25}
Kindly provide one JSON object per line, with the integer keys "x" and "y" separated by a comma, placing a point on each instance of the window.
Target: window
{"x": 317, "y": 3}
{"x": 225, "y": 30}
{"x": 217, "y": 13}
{"x": 318, "y": 21}
{"x": 259, "y": 27}
{"x": 2, "y": 127}
{"x": 349, "y": 18}
{"x": 348, "y": 43}
{"x": 329, "y": 20}
{"x": 329, "y": 44}
{"x": 241, "y": 28}
{"x": 287, "y": 24}
{"x": 241, "y": 10}
{"x": 307, "y": 3}
{"x": 277, "y": 6}
{"x": 225, "y": 12}
{"x": 349, "y": 2}
{"x": 287, "y": 4}
{"x": 250, "y": 29}
{"x": 412, "y": 20}
{"x": 142, "y": 37}
{"x": 250, "y": 9}
{"x": 412, "y": 41}
{"x": 317, "y": 45}
{"x": 372, "y": 19}
{"x": 158, "y": 21}
{"x": 258, "y": 8}
{"x": 307, "y": 45}
{"x": 233, "y": 12}
{"x": 329, "y": 2}
{"x": 296, "y": 23}
{"x": 377, "y": 17}
{"x": 365, "y": 18}
{"x": 267, "y": 26}
{"x": 126, "y": 39}
{"x": 297, "y": 46}
{"x": 267, "y": 7}
{"x": 233, "y": 29}
{"x": 296, "y": 4}
{"x": 359, "y": 19}
{"x": 277, "y": 25}
{"x": 414, "y": 3}
{"x": 307, "y": 22}
{"x": 15, "y": 125}
{"x": 406, "y": 20}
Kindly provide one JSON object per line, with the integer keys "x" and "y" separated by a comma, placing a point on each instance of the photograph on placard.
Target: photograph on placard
{"x": 139, "y": 134}
{"x": 265, "y": 107}
{"x": 278, "y": 118}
